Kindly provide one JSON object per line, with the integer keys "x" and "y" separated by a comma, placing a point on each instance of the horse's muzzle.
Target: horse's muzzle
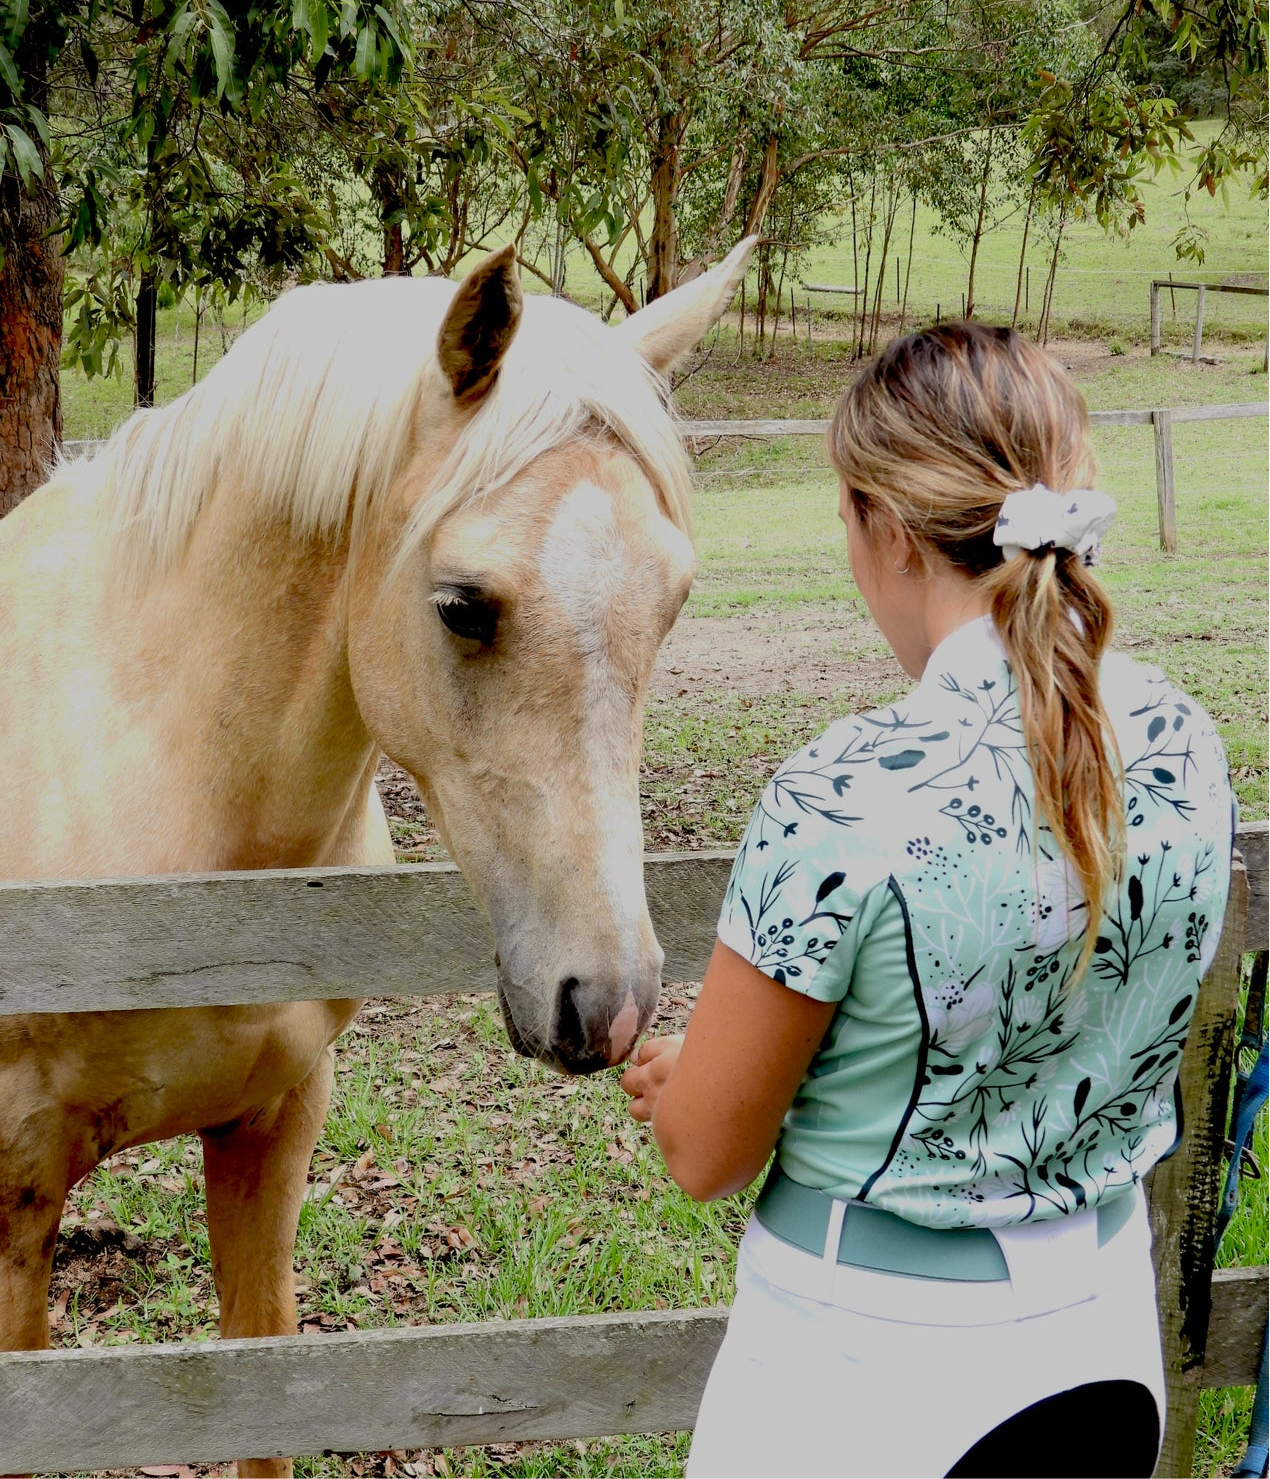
{"x": 587, "y": 1034}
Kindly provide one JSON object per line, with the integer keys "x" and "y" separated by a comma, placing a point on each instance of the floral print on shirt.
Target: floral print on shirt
{"x": 1034, "y": 1093}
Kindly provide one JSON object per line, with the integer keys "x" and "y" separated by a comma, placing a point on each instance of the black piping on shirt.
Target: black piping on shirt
{"x": 919, "y": 1077}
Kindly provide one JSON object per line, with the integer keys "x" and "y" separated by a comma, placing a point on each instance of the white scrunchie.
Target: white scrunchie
{"x": 1040, "y": 520}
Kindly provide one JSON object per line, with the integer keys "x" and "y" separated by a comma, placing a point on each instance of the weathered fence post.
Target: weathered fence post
{"x": 1162, "y": 422}
{"x": 1155, "y": 318}
{"x": 1185, "y": 1189}
{"x": 1201, "y": 294}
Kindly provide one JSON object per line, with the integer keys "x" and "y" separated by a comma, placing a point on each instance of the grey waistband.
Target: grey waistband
{"x": 875, "y": 1239}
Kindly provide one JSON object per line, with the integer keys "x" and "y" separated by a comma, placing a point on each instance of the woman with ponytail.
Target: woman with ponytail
{"x": 955, "y": 968}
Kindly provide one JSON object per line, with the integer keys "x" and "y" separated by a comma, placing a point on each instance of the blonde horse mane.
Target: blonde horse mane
{"x": 312, "y": 416}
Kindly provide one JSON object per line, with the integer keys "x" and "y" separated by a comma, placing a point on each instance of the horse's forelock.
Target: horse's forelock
{"x": 565, "y": 379}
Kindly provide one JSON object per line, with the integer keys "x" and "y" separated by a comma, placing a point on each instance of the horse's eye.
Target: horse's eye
{"x": 467, "y": 614}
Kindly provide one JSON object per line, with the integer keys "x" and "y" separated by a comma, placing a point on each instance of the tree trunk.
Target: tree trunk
{"x": 389, "y": 196}
{"x": 198, "y": 325}
{"x": 769, "y": 178}
{"x": 723, "y": 224}
{"x": 1027, "y": 226}
{"x": 394, "y": 251}
{"x": 147, "y": 313}
{"x": 908, "y": 266}
{"x": 855, "y": 257}
{"x": 862, "y": 297}
{"x": 608, "y": 273}
{"x": 31, "y": 277}
{"x": 663, "y": 245}
{"x": 780, "y": 286}
{"x": 890, "y": 207}
{"x": 978, "y": 236}
{"x": 1043, "y": 328}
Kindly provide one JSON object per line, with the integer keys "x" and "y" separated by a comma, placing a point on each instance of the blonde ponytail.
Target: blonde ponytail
{"x": 933, "y": 435}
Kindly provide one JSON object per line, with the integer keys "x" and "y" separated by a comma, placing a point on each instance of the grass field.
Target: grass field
{"x": 457, "y": 1182}
{"x": 1102, "y": 288}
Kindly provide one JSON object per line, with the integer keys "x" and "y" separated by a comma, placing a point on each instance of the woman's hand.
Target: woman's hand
{"x": 716, "y": 1097}
{"x": 646, "y": 1076}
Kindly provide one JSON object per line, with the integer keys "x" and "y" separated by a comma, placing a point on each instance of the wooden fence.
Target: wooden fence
{"x": 1161, "y": 420}
{"x": 235, "y": 938}
{"x": 1201, "y": 291}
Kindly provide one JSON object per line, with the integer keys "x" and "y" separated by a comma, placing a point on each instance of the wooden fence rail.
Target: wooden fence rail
{"x": 1162, "y": 420}
{"x": 244, "y": 937}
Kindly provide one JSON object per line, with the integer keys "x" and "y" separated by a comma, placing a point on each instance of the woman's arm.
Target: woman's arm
{"x": 716, "y": 1097}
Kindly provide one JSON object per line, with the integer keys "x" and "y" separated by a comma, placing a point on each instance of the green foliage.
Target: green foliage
{"x": 1089, "y": 147}
{"x": 167, "y": 145}
{"x": 202, "y": 142}
{"x": 96, "y": 308}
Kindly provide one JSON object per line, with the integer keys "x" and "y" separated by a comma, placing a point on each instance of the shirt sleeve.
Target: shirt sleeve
{"x": 803, "y": 870}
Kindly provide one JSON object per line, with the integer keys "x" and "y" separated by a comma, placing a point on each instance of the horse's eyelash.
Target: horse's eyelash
{"x": 452, "y": 595}
{"x": 467, "y": 612}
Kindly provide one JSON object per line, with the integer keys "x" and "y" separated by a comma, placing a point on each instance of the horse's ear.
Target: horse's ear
{"x": 479, "y": 325}
{"x": 672, "y": 325}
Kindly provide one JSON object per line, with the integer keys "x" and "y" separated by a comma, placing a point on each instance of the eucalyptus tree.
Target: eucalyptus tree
{"x": 621, "y": 105}
{"x": 412, "y": 177}
{"x": 657, "y": 134}
{"x": 978, "y": 174}
{"x": 150, "y": 119}
{"x": 1092, "y": 134}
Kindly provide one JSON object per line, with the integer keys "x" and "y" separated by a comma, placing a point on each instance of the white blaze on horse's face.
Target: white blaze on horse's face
{"x": 506, "y": 667}
{"x": 536, "y": 780}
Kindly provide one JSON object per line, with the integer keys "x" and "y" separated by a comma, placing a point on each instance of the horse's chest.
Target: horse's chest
{"x": 129, "y": 1078}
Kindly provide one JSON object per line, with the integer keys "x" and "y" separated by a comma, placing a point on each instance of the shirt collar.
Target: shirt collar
{"x": 976, "y": 647}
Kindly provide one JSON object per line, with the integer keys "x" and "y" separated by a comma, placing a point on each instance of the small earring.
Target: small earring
{"x": 898, "y": 571}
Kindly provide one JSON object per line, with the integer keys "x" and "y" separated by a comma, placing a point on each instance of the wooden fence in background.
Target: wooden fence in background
{"x": 233, "y": 938}
{"x": 1161, "y": 420}
{"x": 1201, "y": 291}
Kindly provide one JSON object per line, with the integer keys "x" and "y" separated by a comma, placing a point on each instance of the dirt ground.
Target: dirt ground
{"x": 759, "y": 655}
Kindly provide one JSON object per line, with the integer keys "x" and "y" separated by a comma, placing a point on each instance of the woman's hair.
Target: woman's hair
{"x": 932, "y": 436}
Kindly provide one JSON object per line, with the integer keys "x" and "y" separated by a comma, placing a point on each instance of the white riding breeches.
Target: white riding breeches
{"x": 829, "y": 1369}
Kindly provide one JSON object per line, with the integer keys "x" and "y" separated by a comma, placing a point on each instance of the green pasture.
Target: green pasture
{"x": 1102, "y": 287}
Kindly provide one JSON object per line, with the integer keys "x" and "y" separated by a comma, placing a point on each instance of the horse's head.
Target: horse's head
{"x": 533, "y": 557}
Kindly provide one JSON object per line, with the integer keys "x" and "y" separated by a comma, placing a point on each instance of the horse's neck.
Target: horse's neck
{"x": 240, "y": 656}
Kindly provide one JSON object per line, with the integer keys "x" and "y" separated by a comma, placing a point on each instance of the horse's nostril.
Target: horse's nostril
{"x": 575, "y": 1048}
{"x": 570, "y": 1033}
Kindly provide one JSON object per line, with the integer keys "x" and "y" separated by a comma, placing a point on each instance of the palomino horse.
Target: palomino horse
{"x": 449, "y": 524}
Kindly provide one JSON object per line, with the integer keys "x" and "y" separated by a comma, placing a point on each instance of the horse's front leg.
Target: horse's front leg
{"x": 257, "y": 1169}
{"x": 34, "y": 1180}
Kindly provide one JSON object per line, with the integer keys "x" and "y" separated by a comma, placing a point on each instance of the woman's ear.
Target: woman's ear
{"x": 894, "y": 545}
{"x": 907, "y": 555}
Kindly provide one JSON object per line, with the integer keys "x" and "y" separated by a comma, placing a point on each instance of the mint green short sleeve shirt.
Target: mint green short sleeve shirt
{"x": 896, "y": 866}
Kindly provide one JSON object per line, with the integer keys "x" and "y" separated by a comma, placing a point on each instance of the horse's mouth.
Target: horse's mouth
{"x": 509, "y": 1024}
{"x": 572, "y": 1066}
